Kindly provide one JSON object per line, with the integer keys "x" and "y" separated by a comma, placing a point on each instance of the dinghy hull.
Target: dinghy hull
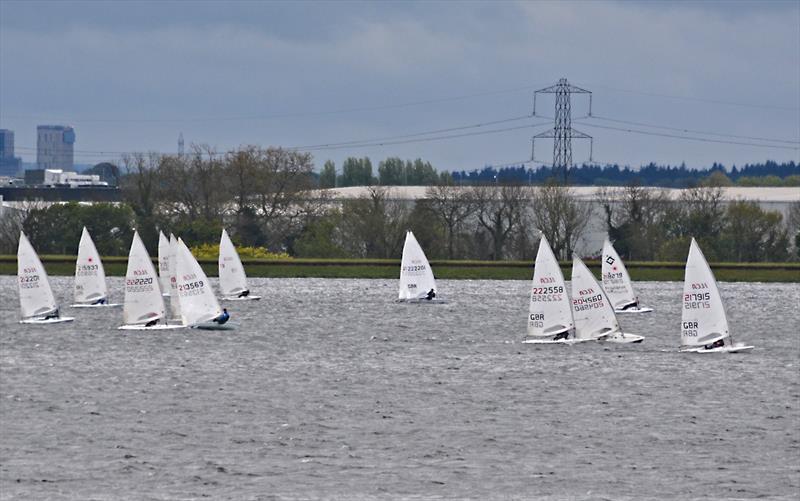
{"x": 105, "y": 305}
{"x": 246, "y": 298}
{"x": 621, "y": 338}
{"x": 212, "y": 326}
{"x": 635, "y": 310}
{"x": 560, "y": 341}
{"x": 156, "y": 327}
{"x": 41, "y": 321}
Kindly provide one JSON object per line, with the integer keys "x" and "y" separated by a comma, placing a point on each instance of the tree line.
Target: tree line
{"x": 268, "y": 198}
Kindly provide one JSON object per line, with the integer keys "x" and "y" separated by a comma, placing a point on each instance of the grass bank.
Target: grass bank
{"x": 389, "y": 268}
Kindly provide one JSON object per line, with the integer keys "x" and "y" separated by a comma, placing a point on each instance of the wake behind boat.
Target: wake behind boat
{"x": 232, "y": 278}
{"x": 617, "y": 283}
{"x": 592, "y": 311}
{"x": 36, "y": 300}
{"x": 549, "y": 313}
{"x": 144, "y": 305}
{"x": 704, "y": 324}
{"x": 90, "y": 289}
{"x": 417, "y": 284}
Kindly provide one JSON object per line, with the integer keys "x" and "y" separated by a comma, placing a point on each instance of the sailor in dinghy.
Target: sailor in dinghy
{"x": 199, "y": 306}
{"x": 704, "y": 324}
{"x": 617, "y": 283}
{"x": 90, "y": 277}
{"x": 417, "y": 283}
{"x": 36, "y": 299}
{"x": 550, "y": 312}
{"x": 594, "y": 316}
{"x": 232, "y": 278}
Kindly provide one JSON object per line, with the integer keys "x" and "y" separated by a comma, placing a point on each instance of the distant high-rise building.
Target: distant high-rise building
{"x": 9, "y": 164}
{"x": 54, "y": 147}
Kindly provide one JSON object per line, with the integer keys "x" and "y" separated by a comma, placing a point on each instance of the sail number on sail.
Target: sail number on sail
{"x": 696, "y": 300}
{"x": 537, "y": 320}
{"x": 192, "y": 287}
{"x": 588, "y": 300}
{"x": 87, "y": 270}
{"x": 28, "y": 281}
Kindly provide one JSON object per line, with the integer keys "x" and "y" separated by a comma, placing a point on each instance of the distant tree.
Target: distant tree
{"x": 321, "y": 238}
{"x": 499, "y": 211}
{"x": 636, "y": 219}
{"x": 717, "y": 178}
{"x": 452, "y": 207}
{"x": 372, "y": 225}
{"x": 391, "y": 172}
{"x": 561, "y": 217}
{"x": 752, "y": 234}
{"x": 356, "y": 172}
{"x": 140, "y": 185}
{"x": 327, "y": 178}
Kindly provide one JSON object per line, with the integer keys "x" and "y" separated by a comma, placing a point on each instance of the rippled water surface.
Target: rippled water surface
{"x": 329, "y": 389}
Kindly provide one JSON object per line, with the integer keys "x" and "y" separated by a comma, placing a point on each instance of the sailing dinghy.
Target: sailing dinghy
{"x": 90, "y": 277}
{"x": 232, "y": 280}
{"x": 550, "y": 312}
{"x": 704, "y": 325}
{"x": 36, "y": 298}
{"x": 199, "y": 305}
{"x": 163, "y": 263}
{"x": 143, "y": 308}
{"x": 617, "y": 283}
{"x": 174, "y": 300}
{"x": 416, "y": 277}
{"x": 594, "y": 316}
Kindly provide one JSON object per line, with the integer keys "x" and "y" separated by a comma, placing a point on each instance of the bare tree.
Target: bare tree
{"x": 499, "y": 210}
{"x": 561, "y": 217}
{"x": 372, "y": 225}
{"x": 636, "y": 219}
{"x": 140, "y": 189}
{"x": 452, "y": 206}
{"x": 11, "y": 222}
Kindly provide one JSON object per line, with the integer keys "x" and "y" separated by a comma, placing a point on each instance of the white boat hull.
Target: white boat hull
{"x": 644, "y": 309}
{"x": 104, "y": 305}
{"x": 157, "y": 327}
{"x": 620, "y": 338}
{"x": 236, "y": 298}
{"x": 213, "y": 326}
{"x": 551, "y": 341}
{"x": 422, "y": 301}
{"x": 36, "y": 321}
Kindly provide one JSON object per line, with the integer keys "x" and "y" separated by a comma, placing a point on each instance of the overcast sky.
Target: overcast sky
{"x": 131, "y": 76}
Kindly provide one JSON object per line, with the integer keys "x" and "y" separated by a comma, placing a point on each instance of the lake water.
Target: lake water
{"x": 329, "y": 389}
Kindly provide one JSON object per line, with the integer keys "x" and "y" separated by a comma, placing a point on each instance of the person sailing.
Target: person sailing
{"x": 223, "y": 317}
{"x": 244, "y": 293}
{"x": 52, "y": 314}
{"x": 430, "y": 295}
{"x": 561, "y": 335}
{"x": 102, "y": 300}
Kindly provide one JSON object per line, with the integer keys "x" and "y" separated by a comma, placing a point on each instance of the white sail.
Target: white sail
{"x": 232, "y": 280}
{"x": 163, "y": 263}
{"x": 143, "y": 301}
{"x": 198, "y": 302}
{"x": 174, "y": 300}
{"x": 616, "y": 281}
{"x": 90, "y": 277}
{"x": 591, "y": 309}
{"x": 35, "y": 295}
{"x": 703, "y": 320}
{"x": 550, "y": 310}
{"x": 416, "y": 276}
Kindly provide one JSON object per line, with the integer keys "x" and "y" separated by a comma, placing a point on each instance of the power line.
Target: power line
{"x": 282, "y": 115}
{"x": 699, "y": 99}
{"x": 690, "y": 138}
{"x": 416, "y": 134}
{"x": 680, "y": 129}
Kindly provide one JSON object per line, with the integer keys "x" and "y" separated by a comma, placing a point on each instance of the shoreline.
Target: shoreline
{"x": 466, "y": 270}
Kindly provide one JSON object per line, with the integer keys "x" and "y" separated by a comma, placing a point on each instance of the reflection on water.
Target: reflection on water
{"x": 331, "y": 389}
